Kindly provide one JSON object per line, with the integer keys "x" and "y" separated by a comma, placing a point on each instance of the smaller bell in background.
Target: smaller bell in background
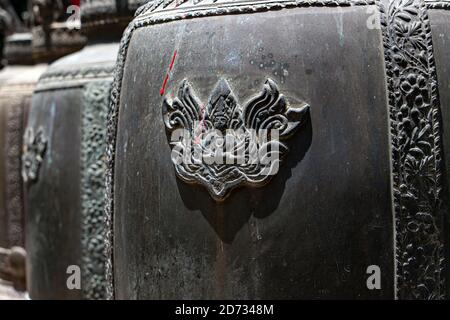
{"x": 65, "y": 171}
{"x": 23, "y": 65}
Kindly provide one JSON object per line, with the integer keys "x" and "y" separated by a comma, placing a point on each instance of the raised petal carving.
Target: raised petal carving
{"x": 35, "y": 146}
{"x": 224, "y": 145}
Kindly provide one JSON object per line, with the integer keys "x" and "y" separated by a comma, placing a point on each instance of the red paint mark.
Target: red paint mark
{"x": 161, "y": 91}
{"x": 173, "y": 60}
{"x": 163, "y": 88}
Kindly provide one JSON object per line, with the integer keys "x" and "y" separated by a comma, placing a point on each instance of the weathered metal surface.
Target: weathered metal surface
{"x": 314, "y": 228}
{"x": 53, "y": 199}
{"x": 261, "y": 243}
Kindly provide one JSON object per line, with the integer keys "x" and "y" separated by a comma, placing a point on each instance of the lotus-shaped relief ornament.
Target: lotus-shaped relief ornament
{"x": 223, "y": 145}
{"x": 34, "y": 147}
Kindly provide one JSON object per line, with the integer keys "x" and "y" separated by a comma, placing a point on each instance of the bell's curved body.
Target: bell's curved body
{"x": 357, "y": 183}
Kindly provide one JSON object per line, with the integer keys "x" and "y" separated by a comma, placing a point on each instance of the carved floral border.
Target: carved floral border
{"x": 415, "y": 149}
{"x": 95, "y": 105}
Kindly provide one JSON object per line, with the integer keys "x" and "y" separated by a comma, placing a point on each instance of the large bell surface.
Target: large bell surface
{"x": 353, "y": 85}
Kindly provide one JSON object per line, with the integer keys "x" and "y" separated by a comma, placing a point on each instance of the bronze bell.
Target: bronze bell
{"x": 66, "y": 171}
{"x": 22, "y": 69}
{"x": 228, "y": 149}
{"x": 352, "y": 86}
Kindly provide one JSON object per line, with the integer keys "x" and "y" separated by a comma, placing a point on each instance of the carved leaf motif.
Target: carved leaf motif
{"x": 269, "y": 110}
{"x": 35, "y": 146}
